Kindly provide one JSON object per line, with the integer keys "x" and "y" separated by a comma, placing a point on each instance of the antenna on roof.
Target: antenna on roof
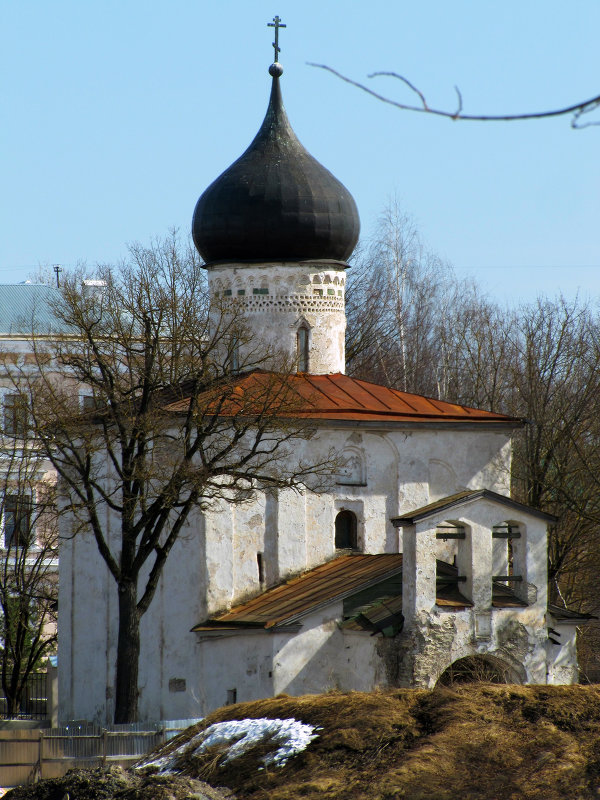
{"x": 57, "y": 269}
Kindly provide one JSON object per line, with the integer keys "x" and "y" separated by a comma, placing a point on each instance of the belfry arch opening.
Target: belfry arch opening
{"x": 477, "y": 669}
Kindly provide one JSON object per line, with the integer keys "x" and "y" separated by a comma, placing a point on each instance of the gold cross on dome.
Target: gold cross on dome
{"x": 277, "y": 23}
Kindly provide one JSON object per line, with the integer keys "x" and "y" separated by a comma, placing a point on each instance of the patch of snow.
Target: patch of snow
{"x": 289, "y": 737}
{"x": 162, "y": 764}
{"x": 166, "y": 763}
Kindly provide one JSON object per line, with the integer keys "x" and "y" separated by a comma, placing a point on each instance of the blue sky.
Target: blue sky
{"x": 117, "y": 115}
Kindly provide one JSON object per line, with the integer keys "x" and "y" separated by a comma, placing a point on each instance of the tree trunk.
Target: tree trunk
{"x": 13, "y": 690}
{"x": 128, "y": 654}
{"x": 12, "y": 705}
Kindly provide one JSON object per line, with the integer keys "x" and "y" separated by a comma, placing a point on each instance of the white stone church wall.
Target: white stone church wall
{"x": 255, "y": 665}
{"x": 562, "y": 659}
{"x": 215, "y": 562}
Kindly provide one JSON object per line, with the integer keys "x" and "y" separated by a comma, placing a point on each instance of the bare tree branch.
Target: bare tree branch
{"x": 577, "y": 109}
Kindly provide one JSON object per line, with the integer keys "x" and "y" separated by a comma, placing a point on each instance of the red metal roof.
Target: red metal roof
{"x": 335, "y": 397}
{"x": 331, "y": 581}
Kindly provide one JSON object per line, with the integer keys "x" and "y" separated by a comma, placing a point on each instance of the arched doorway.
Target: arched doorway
{"x": 477, "y": 669}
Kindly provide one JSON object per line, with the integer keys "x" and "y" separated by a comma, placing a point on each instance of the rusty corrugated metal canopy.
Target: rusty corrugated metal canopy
{"x": 332, "y": 397}
{"x": 348, "y": 575}
{"x": 467, "y": 496}
{"x": 382, "y": 616}
{"x": 325, "y": 584}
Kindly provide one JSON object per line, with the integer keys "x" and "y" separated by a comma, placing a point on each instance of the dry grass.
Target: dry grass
{"x": 472, "y": 742}
{"x": 476, "y": 741}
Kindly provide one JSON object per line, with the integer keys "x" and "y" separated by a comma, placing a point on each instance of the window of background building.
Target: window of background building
{"x": 15, "y": 414}
{"x": 17, "y": 520}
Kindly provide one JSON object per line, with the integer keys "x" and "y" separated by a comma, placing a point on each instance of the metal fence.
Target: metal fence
{"x": 34, "y": 700}
{"x": 29, "y": 755}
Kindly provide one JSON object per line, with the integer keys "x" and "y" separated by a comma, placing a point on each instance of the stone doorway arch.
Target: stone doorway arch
{"x": 479, "y": 668}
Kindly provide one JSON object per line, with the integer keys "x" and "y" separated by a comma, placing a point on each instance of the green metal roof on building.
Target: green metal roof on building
{"x": 27, "y": 308}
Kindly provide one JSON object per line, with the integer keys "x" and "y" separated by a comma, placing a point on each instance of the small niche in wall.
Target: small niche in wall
{"x": 302, "y": 348}
{"x": 231, "y": 697}
{"x": 177, "y": 684}
{"x": 352, "y": 471}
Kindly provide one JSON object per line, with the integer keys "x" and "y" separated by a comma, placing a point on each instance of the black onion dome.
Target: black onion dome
{"x": 276, "y": 202}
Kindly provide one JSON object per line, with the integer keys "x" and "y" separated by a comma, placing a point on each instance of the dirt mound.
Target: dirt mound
{"x": 483, "y": 741}
{"x": 114, "y": 783}
{"x": 478, "y": 741}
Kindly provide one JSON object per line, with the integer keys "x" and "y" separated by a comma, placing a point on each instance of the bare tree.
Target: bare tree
{"x": 398, "y": 296}
{"x": 29, "y": 556}
{"x": 540, "y": 362}
{"x": 477, "y": 341}
{"x": 167, "y": 427}
{"x": 557, "y": 456}
{"x": 413, "y": 326}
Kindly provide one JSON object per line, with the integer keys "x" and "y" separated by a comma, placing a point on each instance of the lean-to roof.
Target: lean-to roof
{"x": 322, "y": 585}
{"x": 282, "y": 606}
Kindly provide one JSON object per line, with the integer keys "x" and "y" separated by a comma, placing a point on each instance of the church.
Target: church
{"x": 415, "y": 565}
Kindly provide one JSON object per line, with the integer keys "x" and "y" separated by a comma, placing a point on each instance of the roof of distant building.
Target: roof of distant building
{"x": 26, "y": 308}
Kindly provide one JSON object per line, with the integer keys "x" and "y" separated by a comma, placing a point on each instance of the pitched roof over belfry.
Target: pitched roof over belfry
{"x": 463, "y": 498}
{"x": 340, "y": 398}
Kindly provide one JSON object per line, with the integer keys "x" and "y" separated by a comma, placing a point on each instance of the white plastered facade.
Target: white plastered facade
{"x": 214, "y": 565}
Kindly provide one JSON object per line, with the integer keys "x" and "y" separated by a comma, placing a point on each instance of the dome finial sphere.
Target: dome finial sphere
{"x": 276, "y": 70}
